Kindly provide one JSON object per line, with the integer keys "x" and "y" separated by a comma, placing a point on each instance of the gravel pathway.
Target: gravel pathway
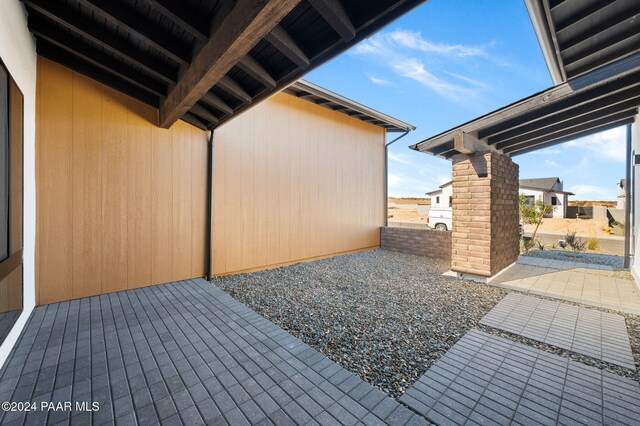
{"x": 600, "y": 259}
{"x": 385, "y": 316}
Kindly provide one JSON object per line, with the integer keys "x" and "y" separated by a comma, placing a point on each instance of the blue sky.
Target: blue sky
{"x": 450, "y": 61}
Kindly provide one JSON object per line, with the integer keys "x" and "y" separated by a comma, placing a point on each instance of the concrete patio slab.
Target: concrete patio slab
{"x": 486, "y": 379}
{"x": 180, "y": 353}
{"x": 596, "y": 285}
{"x": 587, "y": 331}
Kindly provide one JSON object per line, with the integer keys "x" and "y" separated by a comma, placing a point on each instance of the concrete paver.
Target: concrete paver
{"x": 486, "y": 379}
{"x": 595, "y": 285}
{"x": 587, "y": 331}
{"x": 180, "y": 353}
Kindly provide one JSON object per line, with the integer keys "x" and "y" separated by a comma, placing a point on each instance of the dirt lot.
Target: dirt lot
{"x": 582, "y": 227}
{"x": 406, "y": 215}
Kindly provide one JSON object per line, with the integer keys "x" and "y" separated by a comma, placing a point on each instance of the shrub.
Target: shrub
{"x": 540, "y": 245}
{"x": 574, "y": 242}
{"x": 593, "y": 244}
{"x": 527, "y": 244}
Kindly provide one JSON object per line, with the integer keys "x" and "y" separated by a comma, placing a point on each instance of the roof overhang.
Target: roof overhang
{"x": 602, "y": 99}
{"x": 328, "y": 99}
{"x": 546, "y": 190}
{"x": 202, "y": 61}
{"x": 578, "y": 36}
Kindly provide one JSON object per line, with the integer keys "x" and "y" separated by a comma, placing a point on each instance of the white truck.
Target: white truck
{"x": 440, "y": 218}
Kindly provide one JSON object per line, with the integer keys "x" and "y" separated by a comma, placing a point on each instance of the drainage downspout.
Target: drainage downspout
{"x": 386, "y": 176}
{"x": 209, "y": 225}
{"x": 627, "y": 204}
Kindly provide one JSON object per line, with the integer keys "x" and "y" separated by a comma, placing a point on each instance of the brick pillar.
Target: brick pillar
{"x": 485, "y": 237}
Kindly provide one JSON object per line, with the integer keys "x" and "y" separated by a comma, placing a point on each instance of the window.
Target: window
{"x": 530, "y": 200}
{"x": 4, "y": 164}
{"x": 437, "y": 200}
{"x": 450, "y": 201}
{"x": 11, "y": 162}
{"x": 554, "y": 201}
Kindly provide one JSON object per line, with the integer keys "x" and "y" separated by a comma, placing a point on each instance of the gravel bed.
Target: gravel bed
{"x": 617, "y": 262}
{"x": 385, "y": 316}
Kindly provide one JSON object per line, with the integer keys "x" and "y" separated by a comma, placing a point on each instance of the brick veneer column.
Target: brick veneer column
{"x": 485, "y": 237}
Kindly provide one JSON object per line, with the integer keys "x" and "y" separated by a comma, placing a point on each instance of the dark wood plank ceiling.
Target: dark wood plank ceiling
{"x": 591, "y": 33}
{"x": 142, "y": 47}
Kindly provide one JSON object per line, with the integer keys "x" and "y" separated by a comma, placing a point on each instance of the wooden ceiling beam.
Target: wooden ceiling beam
{"x": 194, "y": 121}
{"x": 333, "y": 12}
{"x": 202, "y": 112}
{"x": 281, "y": 40}
{"x": 139, "y": 28}
{"x": 47, "y": 32}
{"x": 573, "y": 136}
{"x": 255, "y": 70}
{"x": 244, "y": 26}
{"x": 183, "y": 18}
{"x": 214, "y": 101}
{"x": 78, "y": 24}
{"x": 230, "y": 86}
{"x": 71, "y": 61}
{"x": 593, "y": 30}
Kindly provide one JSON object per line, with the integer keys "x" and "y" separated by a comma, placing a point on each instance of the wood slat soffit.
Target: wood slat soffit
{"x": 202, "y": 62}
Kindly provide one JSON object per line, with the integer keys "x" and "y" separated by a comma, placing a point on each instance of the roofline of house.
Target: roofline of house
{"x": 547, "y": 190}
{"x": 544, "y": 35}
{"x": 350, "y": 104}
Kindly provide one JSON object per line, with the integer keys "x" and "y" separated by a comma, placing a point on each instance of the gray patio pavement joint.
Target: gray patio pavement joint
{"x": 486, "y": 379}
{"x": 586, "y": 331}
{"x": 180, "y": 353}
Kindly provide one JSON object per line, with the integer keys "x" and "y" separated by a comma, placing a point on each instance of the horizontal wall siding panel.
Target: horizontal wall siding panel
{"x": 294, "y": 181}
{"x": 121, "y": 202}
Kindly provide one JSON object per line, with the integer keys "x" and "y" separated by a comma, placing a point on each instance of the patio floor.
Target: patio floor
{"x": 583, "y": 330}
{"x": 596, "y": 285}
{"x": 486, "y": 379}
{"x": 180, "y": 353}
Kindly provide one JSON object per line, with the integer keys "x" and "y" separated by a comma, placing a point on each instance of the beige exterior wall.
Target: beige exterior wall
{"x": 121, "y": 202}
{"x": 294, "y": 181}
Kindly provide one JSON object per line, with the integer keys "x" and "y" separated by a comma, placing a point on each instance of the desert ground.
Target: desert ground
{"x": 554, "y": 226}
{"x": 582, "y": 227}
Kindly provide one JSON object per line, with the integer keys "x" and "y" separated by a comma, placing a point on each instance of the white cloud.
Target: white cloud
{"x": 379, "y": 81}
{"x": 591, "y": 192}
{"x": 610, "y": 144}
{"x": 401, "y": 158}
{"x": 412, "y": 174}
{"x": 547, "y": 151}
{"x": 443, "y": 179}
{"x": 414, "y": 40}
{"x": 409, "y": 55}
{"x": 551, "y": 163}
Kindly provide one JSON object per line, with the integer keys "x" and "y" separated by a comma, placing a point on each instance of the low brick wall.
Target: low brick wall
{"x": 421, "y": 242}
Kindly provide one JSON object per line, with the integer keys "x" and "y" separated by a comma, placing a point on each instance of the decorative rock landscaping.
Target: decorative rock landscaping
{"x": 384, "y": 316}
{"x": 617, "y": 262}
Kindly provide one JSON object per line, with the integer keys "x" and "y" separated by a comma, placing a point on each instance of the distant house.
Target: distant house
{"x": 550, "y": 190}
{"x": 442, "y": 196}
{"x": 621, "y": 192}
